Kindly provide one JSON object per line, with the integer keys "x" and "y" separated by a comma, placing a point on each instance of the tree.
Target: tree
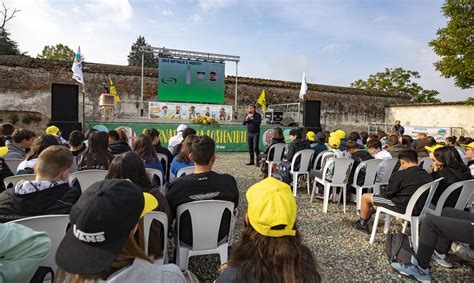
{"x": 57, "y": 52}
{"x": 7, "y": 46}
{"x": 455, "y": 43}
{"x": 135, "y": 55}
{"x": 399, "y": 80}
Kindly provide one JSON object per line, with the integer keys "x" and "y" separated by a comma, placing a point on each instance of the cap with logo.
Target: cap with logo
{"x": 52, "y": 130}
{"x": 272, "y": 208}
{"x": 101, "y": 221}
{"x": 334, "y": 141}
{"x": 310, "y": 136}
{"x": 3, "y": 150}
{"x": 433, "y": 147}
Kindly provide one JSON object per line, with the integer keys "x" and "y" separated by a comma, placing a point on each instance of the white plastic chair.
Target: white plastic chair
{"x": 278, "y": 150}
{"x": 163, "y": 219}
{"x": 305, "y": 158}
{"x": 389, "y": 167}
{"x": 13, "y": 164}
{"x": 206, "y": 216}
{"x": 342, "y": 168}
{"x": 87, "y": 177}
{"x": 319, "y": 159}
{"x": 185, "y": 171}
{"x": 165, "y": 169}
{"x": 13, "y": 180}
{"x": 371, "y": 167}
{"x": 151, "y": 173}
{"x": 425, "y": 163}
{"x": 408, "y": 215}
{"x": 466, "y": 196}
{"x": 55, "y": 226}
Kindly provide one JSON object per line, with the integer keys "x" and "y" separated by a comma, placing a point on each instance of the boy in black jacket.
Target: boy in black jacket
{"x": 401, "y": 186}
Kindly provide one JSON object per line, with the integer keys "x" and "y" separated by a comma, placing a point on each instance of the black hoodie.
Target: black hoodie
{"x": 295, "y": 146}
{"x": 451, "y": 176}
{"x": 119, "y": 147}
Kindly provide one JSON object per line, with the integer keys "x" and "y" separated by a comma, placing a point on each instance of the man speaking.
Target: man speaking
{"x": 253, "y": 121}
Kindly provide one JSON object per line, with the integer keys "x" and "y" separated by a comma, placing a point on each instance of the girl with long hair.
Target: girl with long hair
{"x": 448, "y": 164}
{"x": 97, "y": 155}
{"x": 270, "y": 248}
{"x": 182, "y": 159}
{"x": 39, "y": 144}
{"x": 143, "y": 146}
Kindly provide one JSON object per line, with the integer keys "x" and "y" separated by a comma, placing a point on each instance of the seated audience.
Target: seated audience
{"x": 22, "y": 251}
{"x": 129, "y": 166}
{"x": 182, "y": 159}
{"x": 342, "y": 137}
{"x": 39, "y": 144}
{"x": 371, "y": 137}
{"x": 76, "y": 143}
{"x": 105, "y": 241}
{"x": 449, "y": 165}
{"x": 451, "y": 141}
{"x": 469, "y": 152}
{"x": 358, "y": 155}
{"x": 96, "y": 155}
{"x": 407, "y": 142}
{"x": 364, "y": 136}
{"x": 374, "y": 147}
{"x": 297, "y": 144}
{"x": 21, "y": 140}
{"x": 155, "y": 136}
{"x": 277, "y": 138}
{"x": 401, "y": 186}
{"x": 6, "y": 132}
{"x": 270, "y": 247}
{"x": 394, "y": 146}
{"x": 355, "y": 137}
{"x": 320, "y": 146}
{"x": 311, "y": 137}
{"x": 186, "y": 132}
{"x": 56, "y": 132}
{"x": 204, "y": 184}
{"x": 436, "y": 236}
{"x": 143, "y": 146}
{"x": 334, "y": 144}
{"x": 420, "y": 143}
{"x": 117, "y": 143}
{"x": 176, "y": 139}
{"x": 50, "y": 193}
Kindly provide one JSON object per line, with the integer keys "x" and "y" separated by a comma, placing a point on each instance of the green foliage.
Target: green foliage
{"x": 58, "y": 52}
{"x": 7, "y": 46}
{"x": 135, "y": 55}
{"x": 470, "y": 101}
{"x": 399, "y": 80}
{"x": 27, "y": 119}
{"x": 455, "y": 43}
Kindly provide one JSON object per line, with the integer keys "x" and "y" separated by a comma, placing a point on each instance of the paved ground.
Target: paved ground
{"x": 343, "y": 253}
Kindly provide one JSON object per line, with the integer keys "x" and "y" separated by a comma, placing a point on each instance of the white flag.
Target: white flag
{"x": 304, "y": 87}
{"x": 77, "y": 67}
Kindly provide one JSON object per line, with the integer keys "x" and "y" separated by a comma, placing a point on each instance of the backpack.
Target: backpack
{"x": 283, "y": 173}
{"x": 398, "y": 248}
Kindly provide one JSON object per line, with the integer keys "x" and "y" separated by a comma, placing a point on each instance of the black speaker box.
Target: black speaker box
{"x": 66, "y": 127}
{"x": 312, "y": 114}
{"x": 64, "y": 103}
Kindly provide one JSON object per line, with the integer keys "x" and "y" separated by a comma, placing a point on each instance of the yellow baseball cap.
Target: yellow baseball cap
{"x": 52, "y": 130}
{"x": 3, "y": 150}
{"x": 339, "y": 133}
{"x": 311, "y": 136}
{"x": 150, "y": 203}
{"x": 334, "y": 141}
{"x": 271, "y": 204}
{"x": 470, "y": 145}
{"x": 433, "y": 147}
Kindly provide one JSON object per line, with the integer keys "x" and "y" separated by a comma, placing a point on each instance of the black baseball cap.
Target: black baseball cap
{"x": 101, "y": 221}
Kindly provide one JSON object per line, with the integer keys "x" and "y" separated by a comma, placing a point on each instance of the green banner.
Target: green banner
{"x": 182, "y": 80}
{"x": 228, "y": 138}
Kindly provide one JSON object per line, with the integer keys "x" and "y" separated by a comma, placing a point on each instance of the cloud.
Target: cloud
{"x": 196, "y": 18}
{"x": 167, "y": 12}
{"x": 208, "y": 5}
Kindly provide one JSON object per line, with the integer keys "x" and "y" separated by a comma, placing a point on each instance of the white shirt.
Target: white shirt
{"x": 384, "y": 155}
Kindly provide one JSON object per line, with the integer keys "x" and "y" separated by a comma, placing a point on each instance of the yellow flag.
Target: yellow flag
{"x": 113, "y": 90}
{"x": 262, "y": 101}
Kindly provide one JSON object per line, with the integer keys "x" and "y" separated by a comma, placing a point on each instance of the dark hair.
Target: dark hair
{"x": 41, "y": 143}
{"x": 143, "y": 146}
{"x": 372, "y": 137}
{"x": 451, "y": 140}
{"x": 202, "y": 150}
{"x": 273, "y": 259}
{"x": 152, "y": 132}
{"x": 123, "y": 137}
{"x": 430, "y": 141}
{"x": 96, "y": 155}
{"x": 251, "y": 104}
{"x": 76, "y": 138}
{"x": 450, "y": 158}
{"x": 392, "y": 140}
{"x": 381, "y": 134}
{"x": 89, "y": 133}
{"x": 353, "y": 136}
{"x": 278, "y": 134}
{"x": 352, "y": 145}
{"x": 22, "y": 134}
{"x": 364, "y": 136}
{"x": 295, "y": 132}
{"x": 129, "y": 166}
{"x": 327, "y": 133}
{"x": 183, "y": 154}
{"x": 320, "y": 138}
{"x": 374, "y": 143}
{"x": 7, "y": 129}
{"x": 462, "y": 140}
{"x": 113, "y": 135}
{"x": 407, "y": 141}
{"x": 188, "y": 131}
{"x": 408, "y": 155}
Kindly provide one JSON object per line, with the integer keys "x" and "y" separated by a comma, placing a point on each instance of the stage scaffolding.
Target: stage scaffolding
{"x": 192, "y": 55}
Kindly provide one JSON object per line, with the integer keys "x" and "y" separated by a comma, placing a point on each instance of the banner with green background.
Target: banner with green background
{"x": 228, "y": 138}
{"x": 182, "y": 80}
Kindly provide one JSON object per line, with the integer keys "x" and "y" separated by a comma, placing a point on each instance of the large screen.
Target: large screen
{"x": 184, "y": 80}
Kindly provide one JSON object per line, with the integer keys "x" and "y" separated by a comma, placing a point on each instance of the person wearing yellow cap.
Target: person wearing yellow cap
{"x": 342, "y": 136}
{"x": 334, "y": 143}
{"x": 55, "y": 131}
{"x": 431, "y": 149}
{"x": 469, "y": 152}
{"x": 270, "y": 225}
{"x": 4, "y": 169}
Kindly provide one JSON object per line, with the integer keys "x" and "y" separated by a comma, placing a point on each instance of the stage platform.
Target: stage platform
{"x": 230, "y": 136}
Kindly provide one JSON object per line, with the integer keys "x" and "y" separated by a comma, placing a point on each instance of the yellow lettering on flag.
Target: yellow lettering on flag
{"x": 262, "y": 101}
{"x": 113, "y": 90}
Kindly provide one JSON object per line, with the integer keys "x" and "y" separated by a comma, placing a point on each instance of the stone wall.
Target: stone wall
{"x": 25, "y": 84}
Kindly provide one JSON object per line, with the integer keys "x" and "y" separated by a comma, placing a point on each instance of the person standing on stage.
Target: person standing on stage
{"x": 253, "y": 121}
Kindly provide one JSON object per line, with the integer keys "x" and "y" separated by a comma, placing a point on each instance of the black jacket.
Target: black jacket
{"x": 295, "y": 146}
{"x": 267, "y": 147}
{"x": 4, "y": 172}
{"x": 253, "y": 126}
{"x": 450, "y": 177}
{"x": 119, "y": 147}
{"x": 55, "y": 200}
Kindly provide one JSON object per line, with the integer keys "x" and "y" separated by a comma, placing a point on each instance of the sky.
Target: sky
{"x": 335, "y": 41}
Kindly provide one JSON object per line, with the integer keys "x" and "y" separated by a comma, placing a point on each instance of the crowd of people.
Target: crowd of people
{"x": 105, "y": 240}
